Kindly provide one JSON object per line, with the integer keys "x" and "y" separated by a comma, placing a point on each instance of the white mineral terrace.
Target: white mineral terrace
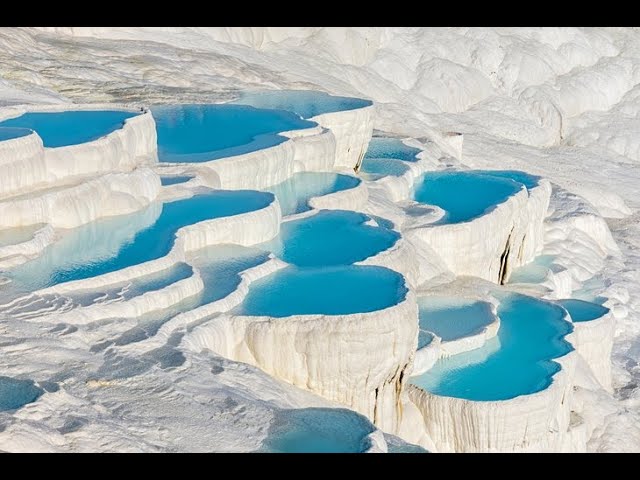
{"x": 552, "y": 241}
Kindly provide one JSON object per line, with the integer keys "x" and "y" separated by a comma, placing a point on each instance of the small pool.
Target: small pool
{"x": 9, "y": 133}
{"x": 518, "y": 361}
{"x": 424, "y": 338}
{"x": 114, "y": 243}
{"x": 318, "y": 430}
{"x": 306, "y": 103}
{"x": 167, "y": 180}
{"x": 200, "y": 133}
{"x": 220, "y": 267}
{"x": 330, "y": 237}
{"x": 60, "y": 129}
{"x": 16, "y": 393}
{"x": 464, "y": 195}
{"x": 14, "y": 236}
{"x": 294, "y": 193}
{"x": 339, "y": 290}
{"x": 376, "y": 168}
{"x": 453, "y": 318}
{"x": 533, "y": 272}
{"x": 582, "y": 311}
{"x": 391, "y": 148}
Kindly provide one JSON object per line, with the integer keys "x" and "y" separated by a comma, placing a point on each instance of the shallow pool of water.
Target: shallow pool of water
{"x": 518, "y": 361}
{"x": 306, "y": 103}
{"x": 114, "y": 243}
{"x": 391, "y": 148}
{"x": 330, "y": 237}
{"x": 339, "y": 290}
{"x": 318, "y": 430}
{"x": 582, "y": 311}
{"x": 15, "y": 393}
{"x": 463, "y": 195}
{"x": 14, "y": 236}
{"x": 59, "y": 129}
{"x": 452, "y": 318}
{"x": 200, "y": 133}
{"x": 167, "y": 180}
{"x": 9, "y": 133}
{"x": 294, "y": 193}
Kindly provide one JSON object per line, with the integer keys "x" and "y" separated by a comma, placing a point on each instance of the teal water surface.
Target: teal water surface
{"x": 464, "y": 195}
{"x": 306, "y": 103}
{"x": 518, "y": 361}
{"x": 582, "y": 311}
{"x": 60, "y": 129}
{"x": 339, "y": 290}
{"x": 200, "y": 133}
{"x": 294, "y": 193}
{"x": 330, "y": 237}
{"x": 452, "y": 318}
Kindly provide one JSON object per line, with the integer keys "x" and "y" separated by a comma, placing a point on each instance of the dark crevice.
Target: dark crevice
{"x": 504, "y": 258}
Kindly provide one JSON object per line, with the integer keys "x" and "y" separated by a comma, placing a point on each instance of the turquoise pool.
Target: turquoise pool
{"x": 391, "y": 148}
{"x": 200, "y": 133}
{"x": 16, "y": 393}
{"x": 306, "y": 103}
{"x": 9, "y": 133}
{"x": 114, "y": 243}
{"x": 167, "y": 180}
{"x": 294, "y": 193}
{"x": 518, "y": 361}
{"x": 464, "y": 195}
{"x": 582, "y": 311}
{"x": 318, "y": 430}
{"x": 452, "y": 318}
{"x": 60, "y": 129}
{"x": 338, "y": 290}
{"x": 330, "y": 237}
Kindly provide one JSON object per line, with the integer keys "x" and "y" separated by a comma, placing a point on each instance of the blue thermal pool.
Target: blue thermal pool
{"x": 518, "y": 361}
{"x": 424, "y": 338}
{"x": 200, "y": 133}
{"x": 582, "y": 311}
{"x": 16, "y": 393}
{"x": 464, "y": 195}
{"x": 376, "y": 168}
{"x": 59, "y": 129}
{"x": 9, "y": 133}
{"x": 167, "y": 180}
{"x": 330, "y": 237}
{"x": 318, "y": 430}
{"x": 533, "y": 272}
{"x": 452, "y": 318}
{"x": 306, "y": 103}
{"x": 294, "y": 193}
{"x": 114, "y": 243}
{"x": 339, "y": 290}
{"x": 392, "y": 149}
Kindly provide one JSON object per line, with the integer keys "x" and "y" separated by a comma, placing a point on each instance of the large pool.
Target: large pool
{"x": 294, "y": 193}
{"x": 15, "y": 393}
{"x": 339, "y": 290}
{"x": 199, "y": 133}
{"x": 452, "y": 318}
{"x": 306, "y": 103}
{"x": 114, "y": 243}
{"x": 330, "y": 237}
{"x": 518, "y": 361}
{"x": 59, "y": 129}
{"x": 318, "y": 430}
{"x": 582, "y": 311}
{"x": 464, "y": 195}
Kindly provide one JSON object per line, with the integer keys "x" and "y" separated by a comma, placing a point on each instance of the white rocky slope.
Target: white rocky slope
{"x": 561, "y": 103}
